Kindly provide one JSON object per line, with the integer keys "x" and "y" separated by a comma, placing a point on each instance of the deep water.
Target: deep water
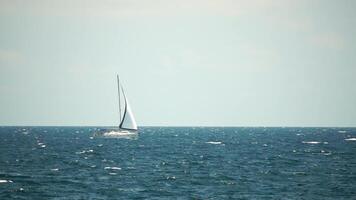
{"x": 178, "y": 163}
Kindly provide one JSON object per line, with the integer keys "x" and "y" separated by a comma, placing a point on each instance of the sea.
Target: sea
{"x": 178, "y": 163}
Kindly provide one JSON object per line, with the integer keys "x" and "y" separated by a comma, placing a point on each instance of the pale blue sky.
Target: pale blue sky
{"x": 196, "y": 62}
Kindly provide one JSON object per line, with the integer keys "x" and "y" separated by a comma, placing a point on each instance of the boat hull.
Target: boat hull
{"x": 129, "y": 134}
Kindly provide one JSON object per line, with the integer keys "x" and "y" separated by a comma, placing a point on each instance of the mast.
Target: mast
{"x": 118, "y": 92}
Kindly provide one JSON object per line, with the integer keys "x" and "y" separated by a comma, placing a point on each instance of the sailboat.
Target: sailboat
{"x": 127, "y": 125}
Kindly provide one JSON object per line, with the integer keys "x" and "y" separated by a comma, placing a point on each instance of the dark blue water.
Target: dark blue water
{"x": 178, "y": 163}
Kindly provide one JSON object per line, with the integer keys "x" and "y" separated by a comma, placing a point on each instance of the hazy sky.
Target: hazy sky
{"x": 182, "y": 62}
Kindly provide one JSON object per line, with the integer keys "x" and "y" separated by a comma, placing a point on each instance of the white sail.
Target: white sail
{"x": 128, "y": 120}
{"x": 128, "y": 127}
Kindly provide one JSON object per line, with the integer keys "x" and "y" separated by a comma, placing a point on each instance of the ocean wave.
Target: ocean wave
{"x": 311, "y": 142}
{"x": 5, "y": 181}
{"x": 113, "y": 168}
{"x": 85, "y": 151}
{"x": 214, "y": 142}
{"x": 350, "y": 139}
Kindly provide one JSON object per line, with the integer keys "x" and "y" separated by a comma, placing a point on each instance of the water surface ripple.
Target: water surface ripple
{"x": 178, "y": 163}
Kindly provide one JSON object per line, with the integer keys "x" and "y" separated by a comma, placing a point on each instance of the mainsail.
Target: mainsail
{"x": 127, "y": 121}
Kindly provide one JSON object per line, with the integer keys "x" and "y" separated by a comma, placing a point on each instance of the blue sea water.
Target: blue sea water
{"x": 178, "y": 163}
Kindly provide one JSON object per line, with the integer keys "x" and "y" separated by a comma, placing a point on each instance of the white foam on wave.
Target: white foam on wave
{"x": 170, "y": 177}
{"x": 214, "y": 142}
{"x": 80, "y": 152}
{"x": 41, "y": 144}
{"x": 113, "y": 168}
{"x": 84, "y": 151}
{"x": 350, "y": 139}
{"x": 342, "y": 131}
{"x": 311, "y": 142}
{"x": 56, "y": 169}
{"x": 5, "y": 181}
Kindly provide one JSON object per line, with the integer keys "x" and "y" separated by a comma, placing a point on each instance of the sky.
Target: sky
{"x": 181, "y": 62}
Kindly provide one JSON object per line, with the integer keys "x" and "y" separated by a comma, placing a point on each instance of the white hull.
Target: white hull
{"x": 118, "y": 134}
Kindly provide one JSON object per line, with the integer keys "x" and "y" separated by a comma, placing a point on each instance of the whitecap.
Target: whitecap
{"x": 342, "y": 131}
{"x": 5, "y": 181}
{"x": 212, "y": 142}
{"x": 80, "y": 152}
{"x": 350, "y": 139}
{"x": 170, "y": 177}
{"x": 113, "y": 168}
{"x": 84, "y": 151}
{"x": 43, "y": 146}
{"x": 116, "y": 168}
{"x": 311, "y": 142}
{"x": 55, "y": 169}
